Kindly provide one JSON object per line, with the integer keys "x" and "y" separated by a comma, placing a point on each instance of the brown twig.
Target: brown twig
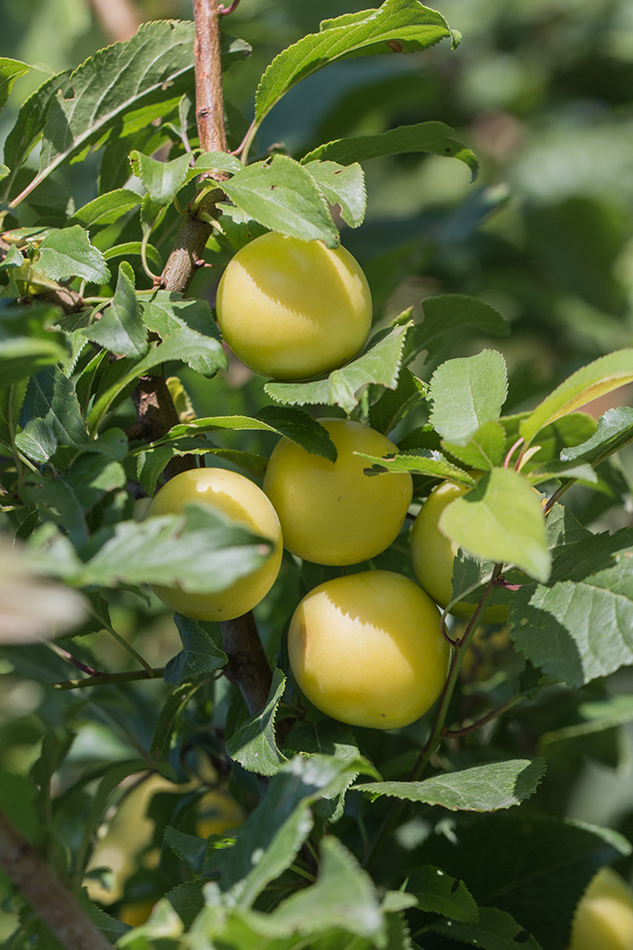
{"x": 208, "y": 72}
{"x": 57, "y": 907}
{"x": 248, "y": 667}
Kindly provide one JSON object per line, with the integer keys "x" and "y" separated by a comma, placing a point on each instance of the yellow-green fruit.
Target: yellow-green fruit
{"x": 604, "y": 916}
{"x": 368, "y": 649}
{"x": 432, "y": 554}
{"x": 331, "y": 512}
{"x": 217, "y": 812}
{"x": 291, "y": 309}
{"x": 136, "y": 912}
{"x": 241, "y": 500}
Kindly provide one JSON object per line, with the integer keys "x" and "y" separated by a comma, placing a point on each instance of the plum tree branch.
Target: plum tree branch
{"x": 248, "y": 667}
{"x": 57, "y": 907}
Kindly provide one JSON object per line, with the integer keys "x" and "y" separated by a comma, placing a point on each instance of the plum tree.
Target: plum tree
{"x": 291, "y": 309}
{"x": 368, "y": 649}
{"x": 433, "y": 554}
{"x": 604, "y": 916}
{"x": 239, "y": 498}
{"x": 331, "y": 512}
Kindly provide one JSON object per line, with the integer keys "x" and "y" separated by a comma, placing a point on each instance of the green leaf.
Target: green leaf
{"x": 23, "y": 355}
{"x": 466, "y": 393}
{"x": 150, "y": 463}
{"x": 31, "y": 119}
{"x": 484, "y": 450}
{"x": 495, "y": 930}
{"x": 10, "y": 70}
{"x": 69, "y": 253}
{"x": 106, "y": 209}
{"x": 199, "y": 655}
{"x": 113, "y": 81}
{"x": 344, "y": 186}
{"x": 183, "y": 344}
{"x": 452, "y": 314}
{"x": 501, "y": 520}
{"x": 50, "y": 416}
{"x": 167, "y": 313}
{"x": 134, "y": 249}
{"x": 439, "y": 893}
{"x": 120, "y": 328}
{"x": 380, "y": 364}
{"x": 162, "y": 180}
{"x": 238, "y": 227}
{"x": 615, "y": 430}
{"x": 273, "y": 834}
{"x": 281, "y": 195}
{"x": 215, "y": 161}
{"x": 595, "y": 717}
{"x": 343, "y": 897}
{"x": 557, "y": 626}
{"x": 394, "y": 404}
{"x": 403, "y": 22}
{"x": 596, "y": 379}
{"x": 534, "y": 856}
{"x": 327, "y": 737}
{"x": 478, "y": 788}
{"x": 433, "y": 137}
{"x": 189, "y": 848}
{"x": 67, "y": 499}
{"x": 167, "y": 722}
{"x": 295, "y": 424}
{"x": 201, "y": 551}
{"x": 254, "y": 744}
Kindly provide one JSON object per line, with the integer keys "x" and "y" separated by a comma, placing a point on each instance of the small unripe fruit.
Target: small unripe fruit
{"x": 368, "y": 650}
{"x": 240, "y": 499}
{"x": 331, "y": 512}
{"x": 292, "y": 309}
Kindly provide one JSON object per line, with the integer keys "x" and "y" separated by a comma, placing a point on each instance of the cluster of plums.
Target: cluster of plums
{"x": 365, "y": 648}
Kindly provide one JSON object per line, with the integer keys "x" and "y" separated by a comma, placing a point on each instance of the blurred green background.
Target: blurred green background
{"x": 542, "y": 91}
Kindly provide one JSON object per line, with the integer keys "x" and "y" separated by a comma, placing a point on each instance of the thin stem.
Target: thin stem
{"x": 435, "y": 736}
{"x": 225, "y": 11}
{"x": 72, "y": 659}
{"x": 453, "y": 673}
{"x": 560, "y": 491}
{"x": 126, "y": 646}
{"x": 493, "y": 714}
{"x": 506, "y": 463}
{"x": 103, "y": 679}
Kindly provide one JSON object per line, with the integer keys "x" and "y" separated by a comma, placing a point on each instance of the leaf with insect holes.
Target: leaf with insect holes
{"x": 344, "y": 186}
{"x": 283, "y": 196}
{"x": 435, "y": 137}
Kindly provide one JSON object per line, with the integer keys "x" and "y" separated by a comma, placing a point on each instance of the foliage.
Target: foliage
{"x": 501, "y": 312}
